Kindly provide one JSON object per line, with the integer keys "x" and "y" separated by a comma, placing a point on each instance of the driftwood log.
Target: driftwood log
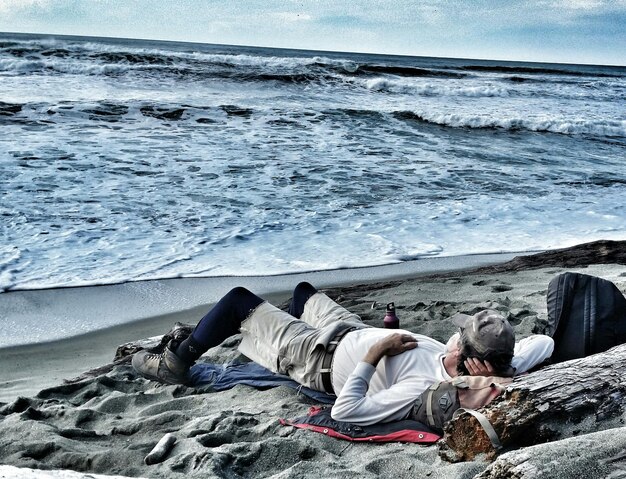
{"x": 563, "y": 400}
{"x": 599, "y": 454}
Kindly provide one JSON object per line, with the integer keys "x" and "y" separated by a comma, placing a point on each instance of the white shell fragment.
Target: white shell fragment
{"x": 161, "y": 450}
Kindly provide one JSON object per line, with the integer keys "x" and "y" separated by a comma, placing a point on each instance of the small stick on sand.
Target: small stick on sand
{"x": 161, "y": 450}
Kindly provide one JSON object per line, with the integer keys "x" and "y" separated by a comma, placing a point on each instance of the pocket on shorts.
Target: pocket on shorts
{"x": 294, "y": 356}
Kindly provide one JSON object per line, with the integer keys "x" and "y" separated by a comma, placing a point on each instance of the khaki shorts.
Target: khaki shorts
{"x": 296, "y": 347}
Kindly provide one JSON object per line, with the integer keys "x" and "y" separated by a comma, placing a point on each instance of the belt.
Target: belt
{"x": 327, "y": 362}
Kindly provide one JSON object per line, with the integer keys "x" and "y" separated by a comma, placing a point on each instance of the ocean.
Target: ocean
{"x": 125, "y": 160}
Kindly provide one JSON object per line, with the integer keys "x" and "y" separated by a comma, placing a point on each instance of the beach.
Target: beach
{"x": 107, "y": 421}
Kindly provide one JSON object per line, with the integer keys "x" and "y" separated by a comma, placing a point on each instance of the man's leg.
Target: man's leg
{"x": 320, "y": 311}
{"x": 223, "y": 321}
{"x": 286, "y": 343}
{"x": 300, "y": 296}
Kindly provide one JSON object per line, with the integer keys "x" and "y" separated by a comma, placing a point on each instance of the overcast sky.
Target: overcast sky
{"x": 571, "y": 31}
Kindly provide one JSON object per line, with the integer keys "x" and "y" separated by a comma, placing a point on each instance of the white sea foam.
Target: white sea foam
{"x": 436, "y": 89}
{"x": 238, "y": 59}
{"x": 19, "y": 65}
{"x": 67, "y": 66}
{"x": 606, "y": 128}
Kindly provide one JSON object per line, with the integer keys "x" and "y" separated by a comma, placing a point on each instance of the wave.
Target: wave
{"x": 95, "y": 59}
{"x": 599, "y": 128}
{"x": 219, "y": 70}
{"x": 117, "y": 111}
{"x": 123, "y": 55}
{"x": 597, "y": 91}
{"x": 103, "y": 53}
{"x": 47, "y": 57}
{"x": 45, "y": 65}
{"x": 605, "y": 128}
{"x": 430, "y": 89}
{"x": 408, "y": 71}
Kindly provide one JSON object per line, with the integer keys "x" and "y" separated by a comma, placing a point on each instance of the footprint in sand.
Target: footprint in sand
{"x": 501, "y": 288}
{"x": 496, "y": 286}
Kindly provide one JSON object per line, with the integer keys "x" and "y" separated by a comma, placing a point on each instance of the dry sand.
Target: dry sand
{"x": 107, "y": 424}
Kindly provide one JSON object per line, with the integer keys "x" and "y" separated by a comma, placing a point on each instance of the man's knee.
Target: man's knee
{"x": 239, "y": 292}
{"x": 239, "y": 302}
{"x": 305, "y": 288}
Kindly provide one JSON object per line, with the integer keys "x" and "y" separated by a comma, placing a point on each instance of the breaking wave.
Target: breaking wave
{"x": 606, "y": 128}
{"x": 431, "y": 89}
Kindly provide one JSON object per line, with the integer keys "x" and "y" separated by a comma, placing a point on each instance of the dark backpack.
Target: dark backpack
{"x": 586, "y": 315}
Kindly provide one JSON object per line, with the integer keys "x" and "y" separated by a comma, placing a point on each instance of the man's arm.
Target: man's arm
{"x": 531, "y": 351}
{"x": 528, "y": 353}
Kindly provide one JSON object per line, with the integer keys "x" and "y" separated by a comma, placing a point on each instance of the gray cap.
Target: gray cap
{"x": 487, "y": 331}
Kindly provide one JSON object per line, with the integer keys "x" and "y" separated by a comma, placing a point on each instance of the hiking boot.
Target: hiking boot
{"x": 165, "y": 367}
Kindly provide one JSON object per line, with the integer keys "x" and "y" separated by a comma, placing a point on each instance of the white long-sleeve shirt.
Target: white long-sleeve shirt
{"x": 368, "y": 395}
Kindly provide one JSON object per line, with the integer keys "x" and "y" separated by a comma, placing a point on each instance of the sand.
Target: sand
{"x": 106, "y": 424}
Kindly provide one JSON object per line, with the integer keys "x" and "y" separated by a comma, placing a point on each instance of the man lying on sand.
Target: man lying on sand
{"x": 376, "y": 373}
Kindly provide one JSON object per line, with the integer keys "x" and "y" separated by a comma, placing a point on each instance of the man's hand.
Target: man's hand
{"x": 391, "y": 345}
{"x": 398, "y": 343}
{"x": 476, "y": 367}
